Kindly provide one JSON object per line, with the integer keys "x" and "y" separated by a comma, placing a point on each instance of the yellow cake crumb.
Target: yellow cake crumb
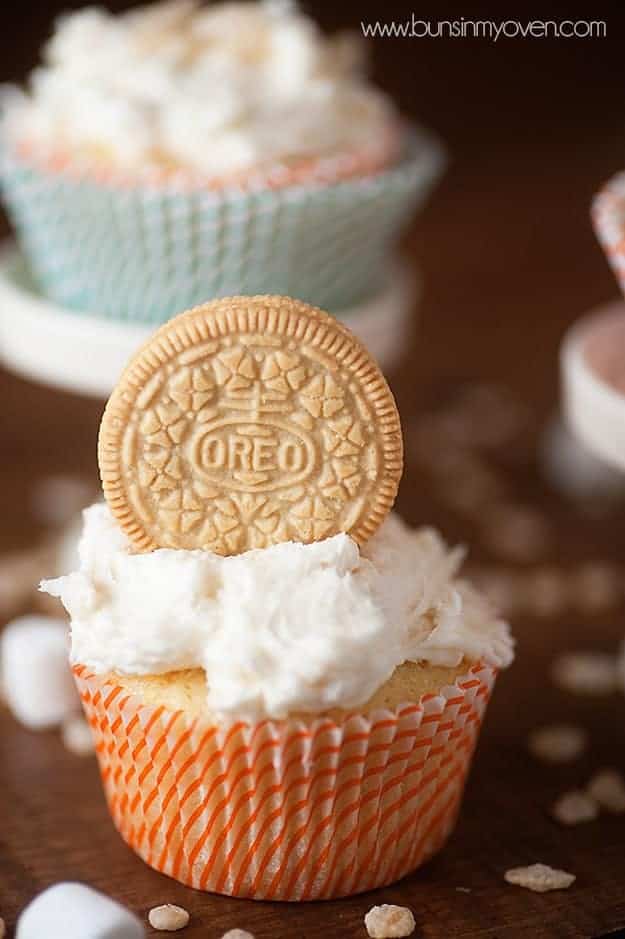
{"x": 187, "y": 690}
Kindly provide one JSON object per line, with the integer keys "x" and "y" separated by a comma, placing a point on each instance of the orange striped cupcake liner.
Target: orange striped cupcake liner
{"x": 608, "y": 217}
{"x": 286, "y": 810}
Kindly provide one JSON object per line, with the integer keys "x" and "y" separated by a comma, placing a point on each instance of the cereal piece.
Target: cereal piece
{"x": 502, "y": 586}
{"x": 575, "y": 807}
{"x": 247, "y": 422}
{"x": 477, "y": 417}
{"x": 237, "y": 934}
{"x": 493, "y": 414}
{"x": 539, "y": 877}
{"x": 74, "y": 911}
{"x": 458, "y": 464}
{"x": 56, "y": 499}
{"x": 389, "y": 921}
{"x": 38, "y": 683}
{"x": 20, "y": 573}
{"x": 597, "y": 587}
{"x": 547, "y": 592}
{"x": 168, "y": 917}
{"x": 586, "y": 673}
{"x": 608, "y": 789}
{"x": 517, "y": 532}
{"x": 435, "y": 441}
{"x": 77, "y": 737}
{"x": 469, "y": 487}
{"x": 557, "y": 743}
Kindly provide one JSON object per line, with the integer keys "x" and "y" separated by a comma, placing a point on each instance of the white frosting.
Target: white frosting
{"x": 217, "y": 90}
{"x": 287, "y": 628}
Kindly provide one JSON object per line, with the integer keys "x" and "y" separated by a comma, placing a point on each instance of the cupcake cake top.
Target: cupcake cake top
{"x": 217, "y": 90}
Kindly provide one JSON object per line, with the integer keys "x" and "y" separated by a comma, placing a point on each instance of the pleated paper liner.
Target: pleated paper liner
{"x": 142, "y": 252}
{"x": 290, "y": 810}
{"x": 608, "y": 216}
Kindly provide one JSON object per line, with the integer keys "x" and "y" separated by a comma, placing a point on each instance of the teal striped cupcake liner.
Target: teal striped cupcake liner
{"x": 144, "y": 252}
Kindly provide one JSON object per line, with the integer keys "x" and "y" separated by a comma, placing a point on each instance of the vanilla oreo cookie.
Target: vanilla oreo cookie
{"x": 246, "y": 422}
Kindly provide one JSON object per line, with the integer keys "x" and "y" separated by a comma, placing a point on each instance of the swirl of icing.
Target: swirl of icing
{"x": 218, "y": 90}
{"x": 287, "y": 628}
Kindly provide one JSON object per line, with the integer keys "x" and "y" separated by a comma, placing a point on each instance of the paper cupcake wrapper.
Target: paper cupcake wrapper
{"x": 290, "y": 810}
{"x": 144, "y": 252}
{"x": 608, "y": 216}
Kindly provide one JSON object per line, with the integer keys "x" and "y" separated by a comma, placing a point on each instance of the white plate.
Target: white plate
{"x": 594, "y": 409}
{"x": 86, "y": 354}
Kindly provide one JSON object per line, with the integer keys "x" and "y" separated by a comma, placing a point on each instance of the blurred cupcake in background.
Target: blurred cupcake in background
{"x": 177, "y": 151}
{"x": 593, "y": 351}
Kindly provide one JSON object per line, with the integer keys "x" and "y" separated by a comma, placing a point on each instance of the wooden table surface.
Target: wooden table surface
{"x": 509, "y": 262}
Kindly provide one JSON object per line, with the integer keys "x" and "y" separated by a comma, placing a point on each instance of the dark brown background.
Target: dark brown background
{"x": 533, "y": 127}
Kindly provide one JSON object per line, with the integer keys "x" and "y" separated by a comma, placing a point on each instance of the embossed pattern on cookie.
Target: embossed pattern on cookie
{"x": 246, "y": 422}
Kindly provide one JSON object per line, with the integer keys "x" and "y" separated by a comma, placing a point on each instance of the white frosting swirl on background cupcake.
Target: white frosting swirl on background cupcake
{"x": 217, "y": 90}
{"x": 288, "y": 628}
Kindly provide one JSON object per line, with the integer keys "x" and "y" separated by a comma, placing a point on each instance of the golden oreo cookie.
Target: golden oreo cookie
{"x": 247, "y": 422}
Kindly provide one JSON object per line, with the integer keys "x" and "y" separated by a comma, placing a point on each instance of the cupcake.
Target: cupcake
{"x": 293, "y": 720}
{"x": 593, "y": 350}
{"x": 175, "y": 152}
{"x": 608, "y": 216}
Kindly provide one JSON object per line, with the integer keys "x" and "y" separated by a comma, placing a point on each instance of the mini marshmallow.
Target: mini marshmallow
{"x": 75, "y": 911}
{"x": 37, "y": 680}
